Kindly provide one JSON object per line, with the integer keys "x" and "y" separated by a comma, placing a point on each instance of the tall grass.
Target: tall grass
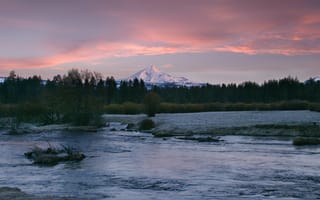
{"x": 125, "y": 108}
{"x": 33, "y": 111}
{"x": 134, "y": 108}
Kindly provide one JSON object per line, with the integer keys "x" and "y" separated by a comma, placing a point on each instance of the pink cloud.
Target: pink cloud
{"x": 89, "y": 53}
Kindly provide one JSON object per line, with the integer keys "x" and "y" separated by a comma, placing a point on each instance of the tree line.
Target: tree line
{"x": 91, "y": 84}
{"x": 79, "y": 96}
{"x": 285, "y": 89}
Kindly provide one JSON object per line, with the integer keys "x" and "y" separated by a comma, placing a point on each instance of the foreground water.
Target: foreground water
{"x": 132, "y": 165}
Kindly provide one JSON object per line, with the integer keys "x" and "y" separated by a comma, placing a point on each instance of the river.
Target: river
{"x": 133, "y": 165}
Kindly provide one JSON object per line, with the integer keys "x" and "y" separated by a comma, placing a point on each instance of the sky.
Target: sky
{"x": 215, "y": 41}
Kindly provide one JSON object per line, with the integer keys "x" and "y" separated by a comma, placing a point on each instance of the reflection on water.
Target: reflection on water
{"x": 129, "y": 165}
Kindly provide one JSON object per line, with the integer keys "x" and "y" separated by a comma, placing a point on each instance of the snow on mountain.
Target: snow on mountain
{"x": 316, "y": 78}
{"x": 2, "y": 79}
{"x": 152, "y": 75}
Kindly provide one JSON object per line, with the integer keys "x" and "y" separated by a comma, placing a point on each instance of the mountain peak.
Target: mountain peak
{"x": 152, "y": 75}
{"x": 152, "y": 68}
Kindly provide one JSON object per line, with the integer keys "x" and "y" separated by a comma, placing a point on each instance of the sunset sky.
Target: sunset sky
{"x": 206, "y": 41}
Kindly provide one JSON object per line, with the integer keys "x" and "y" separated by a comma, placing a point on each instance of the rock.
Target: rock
{"x": 53, "y": 156}
{"x": 116, "y": 126}
{"x": 201, "y": 139}
{"x": 130, "y": 126}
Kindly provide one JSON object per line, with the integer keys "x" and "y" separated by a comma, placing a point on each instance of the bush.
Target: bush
{"x": 147, "y": 124}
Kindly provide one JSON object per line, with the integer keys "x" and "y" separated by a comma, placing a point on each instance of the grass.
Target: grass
{"x": 135, "y": 108}
{"x": 125, "y": 108}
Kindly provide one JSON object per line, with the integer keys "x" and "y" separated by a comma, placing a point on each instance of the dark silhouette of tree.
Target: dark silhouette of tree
{"x": 111, "y": 89}
{"x": 151, "y": 102}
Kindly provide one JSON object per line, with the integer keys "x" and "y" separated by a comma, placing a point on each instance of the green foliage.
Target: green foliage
{"x": 146, "y": 124}
{"x": 151, "y": 102}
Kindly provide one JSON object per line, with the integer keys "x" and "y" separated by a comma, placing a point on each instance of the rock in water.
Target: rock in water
{"x": 53, "y": 156}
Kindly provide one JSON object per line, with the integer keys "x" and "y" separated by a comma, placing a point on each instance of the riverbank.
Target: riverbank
{"x": 251, "y": 123}
{"x": 26, "y": 128}
{"x": 248, "y": 123}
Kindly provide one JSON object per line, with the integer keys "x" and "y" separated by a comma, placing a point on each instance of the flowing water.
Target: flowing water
{"x": 133, "y": 165}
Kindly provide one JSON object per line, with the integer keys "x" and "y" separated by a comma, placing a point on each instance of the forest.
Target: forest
{"x": 79, "y": 96}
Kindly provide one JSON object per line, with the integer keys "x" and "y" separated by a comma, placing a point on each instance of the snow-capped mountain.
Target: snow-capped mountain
{"x": 152, "y": 75}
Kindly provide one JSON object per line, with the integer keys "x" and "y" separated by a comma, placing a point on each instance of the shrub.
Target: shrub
{"x": 147, "y": 124}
